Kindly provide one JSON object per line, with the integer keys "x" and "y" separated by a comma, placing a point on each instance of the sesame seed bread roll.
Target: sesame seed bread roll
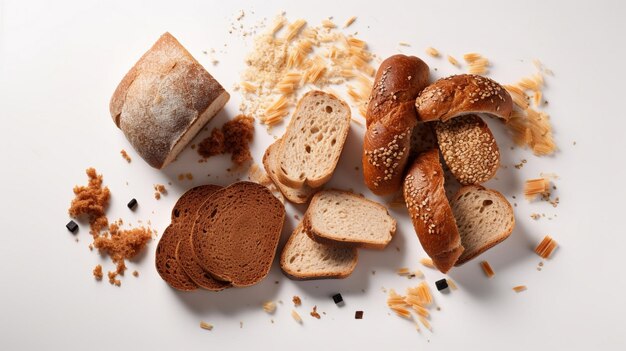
{"x": 430, "y": 211}
{"x": 391, "y": 118}
{"x": 164, "y": 101}
{"x": 469, "y": 149}
{"x": 461, "y": 95}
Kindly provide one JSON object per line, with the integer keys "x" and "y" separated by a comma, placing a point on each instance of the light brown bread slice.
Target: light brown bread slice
{"x": 469, "y": 149}
{"x": 182, "y": 217}
{"x": 313, "y": 140}
{"x": 236, "y": 233}
{"x": 303, "y": 258}
{"x": 337, "y": 217}
{"x": 484, "y": 218}
{"x": 270, "y": 163}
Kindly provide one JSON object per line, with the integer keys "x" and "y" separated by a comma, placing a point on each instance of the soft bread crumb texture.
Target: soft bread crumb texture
{"x": 234, "y": 137}
{"x": 91, "y": 201}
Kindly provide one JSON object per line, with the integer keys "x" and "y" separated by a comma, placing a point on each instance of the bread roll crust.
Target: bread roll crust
{"x": 164, "y": 100}
{"x": 430, "y": 211}
{"x": 390, "y": 120}
{"x": 460, "y": 95}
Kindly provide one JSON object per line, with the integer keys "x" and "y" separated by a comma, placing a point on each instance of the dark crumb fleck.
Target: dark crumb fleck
{"x": 296, "y": 217}
{"x": 358, "y": 315}
{"x": 276, "y": 282}
{"x": 397, "y": 249}
{"x": 135, "y": 273}
{"x": 373, "y": 272}
{"x": 438, "y": 308}
{"x": 356, "y": 168}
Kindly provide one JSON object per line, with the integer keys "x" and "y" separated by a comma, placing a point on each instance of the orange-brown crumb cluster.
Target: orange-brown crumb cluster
{"x": 97, "y": 272}
{"x": 91, "y": 201}
{"x": 125, "y": 156}
{"x": 234, "y": 137}
{"x": 159, "y": 189}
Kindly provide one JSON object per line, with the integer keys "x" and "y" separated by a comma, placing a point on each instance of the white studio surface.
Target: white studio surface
{"x": 61, "y": 60}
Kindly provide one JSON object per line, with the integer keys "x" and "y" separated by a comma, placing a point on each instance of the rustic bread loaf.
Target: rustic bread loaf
{"x": 303, "y": 258}
{"x": 469, "y": 149}
{"x": 270, "y": 163}
{"x": 430, "y": 211}
{"x": 391, "y": 118}
{"x": 236, "y": 233}
{"x": 460, "y": 95}
{"x": 164, "y": 101}
{"x": 313, "y": 141}
{"x": 484, "y": 218}
{"x": 341, "y": 218}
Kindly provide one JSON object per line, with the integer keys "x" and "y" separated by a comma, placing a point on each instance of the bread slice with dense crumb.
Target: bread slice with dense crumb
{"x": 313, "y": 140}
{"x": 337, "y": 217}
{"x": 484, "y": 218}
{"x": 270, "y": 163}
{"x": 469, "y": 149}
{"x": 302, "y": 258}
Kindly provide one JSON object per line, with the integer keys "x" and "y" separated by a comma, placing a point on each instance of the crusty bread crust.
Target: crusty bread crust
{"x": 164, "y": 100}
{"x": 297, "y": 196}
{"x": 330, "y": 239}
{"x": 430, "y": 211}
{"x": 391, "y": 118}
{"x": 284, "y": 265}
{"x": 460, "y": 95}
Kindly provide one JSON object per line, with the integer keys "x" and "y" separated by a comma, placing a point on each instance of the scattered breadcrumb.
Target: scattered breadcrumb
{"x": 546, "y": 247}
{"x": 269, "y": 306}
{"x": 535, "y": 216}
{"x": 451, "y": 284}
{"x": 112, "y": 279}
{"x": 206, "y": 326}
{"x": 97, "y": 272}
{"x": 91, "y": 201}
{"x": 296, "y": 316}
{"x": 521, "y": 164}
{"x": 487, "y": 269}
{"x": 453, "y": 61}
{"x": 477, "y": 63}
{"x": 135, "y": 273}
{"x": 404, "y": 43}
{"x": 349, "y": 22}
{"x": 125, "y": 156}
{"x": 403, "y": 271}
{"x": 159, "y": 190}
{"x": 314, "y": 313}
{"x": 418, "y": 298}
{"x": 234, "y": 138}
{"x": 296, "y": 301}
{"x": 433, "y": 52}
{"x": 519, "y": 288}
{"x": 428, "y": 262}
{"x": 534, "y": 187}
{"x": 418, "y": 273}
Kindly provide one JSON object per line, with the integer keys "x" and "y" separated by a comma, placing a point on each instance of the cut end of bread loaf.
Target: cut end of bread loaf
{"x": 312, "y": 144}
{"x": 484, "y": 218}
{"x": 343, "y": 218}
{"x": 302, "y": 258}
{"x": 270, "y": 163}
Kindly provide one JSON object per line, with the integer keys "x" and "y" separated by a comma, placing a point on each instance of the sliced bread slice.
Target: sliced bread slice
{"x": 469, "y": 149}
{"x": 313, "y": 140}
{"x": 236, "y": 233}
{"x": 337, "y": 217}
{"x": 303, "y": 258}
{"x": 484, "y": 218}
{"x": 270, "y": 163}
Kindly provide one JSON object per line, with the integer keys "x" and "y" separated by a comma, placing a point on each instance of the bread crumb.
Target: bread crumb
{"x": 97, "y": 272}
{"x": 297, "y": 301}
{"x": 269, "y": 307}
{"x": 535, "y": 216}
{"x": 451, "y": 284}
{"x": 314, "y": 313}
{"x": 349, "y": 22}
{"x": 234, "y": 138}
{"x": 534, "y": 187}
{"x": 135, "y": 273}
{"x": 125, "y": 156}
{"x": 453, "y": 61}
{"x": 487, "y": 269}
{"x": 404, "y": 43}
{"x": 546, "y": 247}
{"x": 206, "y": 326}
{"x": 432, "y": 52}
{"x": 519, "y": 288}
{"x": 113, "y": 280}
{"x": 296, "y": 316}
{"x": 428, "y": 262}
{"x": 91, "y": 201}
{"x": 402, "y": 271}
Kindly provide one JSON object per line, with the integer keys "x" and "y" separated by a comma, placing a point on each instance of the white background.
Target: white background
{"x": 60, "y": 62}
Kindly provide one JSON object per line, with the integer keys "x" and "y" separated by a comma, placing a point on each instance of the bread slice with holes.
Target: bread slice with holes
{"x": 484, "y": 218}
{"x": 270, "y": 163}
{"x": 313, "y": 140}
{"x": 302, "y": 258}
{"x": 341, "y": 218}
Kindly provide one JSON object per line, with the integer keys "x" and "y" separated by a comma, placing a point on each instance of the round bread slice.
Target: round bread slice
{"x": 235, "y": 235}
{"x": 461, "y": 95}
{"x": 303, "y": 258}
{"x": 187, "y": 260}
{"x": 182, "y": 220}
{"x": 469, "y": 149}
{"x": 484, "y": 218}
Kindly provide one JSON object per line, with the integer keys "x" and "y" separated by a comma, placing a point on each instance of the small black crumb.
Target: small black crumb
{"x": 441, "y": 284}
{"x": 276, "y": 282}
{"x": 337, "y": 298}
{"x": 132, "y": 204}
{"x": 72, "y": 226}
{"x": 358, "y": 315}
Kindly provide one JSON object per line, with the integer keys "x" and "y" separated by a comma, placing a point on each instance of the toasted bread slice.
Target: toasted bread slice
{"x": 337, "y": 217}
{"x": 484, "y": 218}
{"x": 313, "y": 140}
{"x": 270, "y": 163}
{"x": 236, "y": 233}
{"x": 469, "y": 149}
{"x": 302, "y": 258}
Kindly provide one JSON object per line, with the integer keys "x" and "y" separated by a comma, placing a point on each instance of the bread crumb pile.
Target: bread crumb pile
{"x": 92, "y": 201}
{"x": 291, "y": 56}
{"x": 418, "y": 298}
{"x": 159, "y": 189}
{"x": 234, "y": 137}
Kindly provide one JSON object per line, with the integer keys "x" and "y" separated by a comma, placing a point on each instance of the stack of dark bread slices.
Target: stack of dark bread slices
{"x": 411, "y": 126}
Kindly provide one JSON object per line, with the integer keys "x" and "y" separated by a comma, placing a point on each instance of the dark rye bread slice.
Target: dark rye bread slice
{"x": 182, "y": 217}
{"x": 235, "y": 235}
{"x": 187, "y": 260}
